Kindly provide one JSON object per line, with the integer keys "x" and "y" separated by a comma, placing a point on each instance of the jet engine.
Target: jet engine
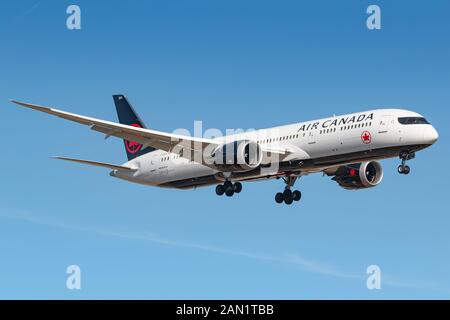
{"x": 243, "y": 155}
{"x": 359, "y": 176}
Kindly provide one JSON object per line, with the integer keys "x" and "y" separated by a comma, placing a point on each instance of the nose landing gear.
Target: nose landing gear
{"x": 228, "y": 188}
{"x": 403, "y": 169}
{"x": 405, "y": 156}
{"x": 287, "y": 195}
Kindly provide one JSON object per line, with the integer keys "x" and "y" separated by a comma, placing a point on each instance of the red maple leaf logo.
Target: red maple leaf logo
{"x": 366, "y": 137}
{"x": 133, "y": 146}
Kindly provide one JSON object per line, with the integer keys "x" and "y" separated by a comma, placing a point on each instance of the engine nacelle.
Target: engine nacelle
{"x": 243, "y": 155}
{"x": 359, "y": 176}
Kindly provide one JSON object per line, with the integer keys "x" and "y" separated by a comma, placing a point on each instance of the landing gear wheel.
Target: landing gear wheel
{"x": 403, "y": 169}
{"x": 237, "y": 187}
{"x": 296, "y": 195}
{"x": 220, "y": 190}
{"x": 288, "y": 200}
{"x": 229, "y": 191}
{"x": 227, "y": 184}
{"x": 287, "y": 193}
{"x": 279, "y": 197}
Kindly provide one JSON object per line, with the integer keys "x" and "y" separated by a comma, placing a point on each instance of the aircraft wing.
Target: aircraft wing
{"x": 188, "y": 147}
{"x": 97, "y": 164}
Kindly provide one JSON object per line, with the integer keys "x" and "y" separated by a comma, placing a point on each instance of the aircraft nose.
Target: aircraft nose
{"x": 430, "y": 135}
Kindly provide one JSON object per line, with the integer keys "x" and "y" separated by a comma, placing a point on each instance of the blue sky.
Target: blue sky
{"x": 231, "y": 64}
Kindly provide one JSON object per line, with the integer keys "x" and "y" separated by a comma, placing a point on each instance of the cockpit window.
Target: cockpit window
{"x": 412, "y": 120}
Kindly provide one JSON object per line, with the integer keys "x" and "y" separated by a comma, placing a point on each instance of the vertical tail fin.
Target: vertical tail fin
{"x": 128, "y": 116}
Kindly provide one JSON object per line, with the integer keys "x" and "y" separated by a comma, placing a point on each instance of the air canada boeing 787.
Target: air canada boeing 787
{"x": 346, "y": 148}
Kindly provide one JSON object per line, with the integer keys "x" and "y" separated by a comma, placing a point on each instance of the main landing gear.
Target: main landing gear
{"x": 287, "y": 195}
{"x": 405, "y": 156}
{"x": 228, "y": 188}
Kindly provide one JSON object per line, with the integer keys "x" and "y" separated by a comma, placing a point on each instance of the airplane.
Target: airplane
{"x": 346, "y": 148}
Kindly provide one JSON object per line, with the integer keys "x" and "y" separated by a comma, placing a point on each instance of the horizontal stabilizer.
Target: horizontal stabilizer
{"x": 97, "y": 164}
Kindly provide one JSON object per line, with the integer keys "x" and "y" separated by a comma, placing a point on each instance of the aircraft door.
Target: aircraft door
{"x": 311, "y": 137}
{"x": 383, "y": 125}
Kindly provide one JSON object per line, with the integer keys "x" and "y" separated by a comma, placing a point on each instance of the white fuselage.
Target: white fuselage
{"x": 317, "y": 144}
